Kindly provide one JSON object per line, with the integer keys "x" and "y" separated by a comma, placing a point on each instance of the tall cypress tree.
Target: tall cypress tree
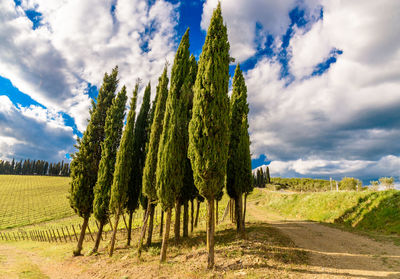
{"x": 149, "y": 172}
{"x": 123, "y": 168}
{"x": 188, "y": 191}
{"x": 138, "y": 157}
{"x": 113, "y": 131}
{"x": 172, "y": 150}
{"x": 238, "y": 176}
{"x": 85, "y": 162}
{"x": 209, "y": 127}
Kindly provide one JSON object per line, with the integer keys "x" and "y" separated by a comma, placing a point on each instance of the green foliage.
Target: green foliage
{"x": 123, "y": 164}
{"x": 172, "y": 150}
{"x": 139, "y": 152}
{"x": 350, "y": 183}
{"x": 149, "y": 172}
{"x": 238, "y": 179}
{"x": 113, "y": 131}
{"x": 209, "y": 127}
{"x": 302, "y": 184}
{"x": 189, "y": 190}
{"x": 85, "y": 163}
{"x": 387, "y": 182}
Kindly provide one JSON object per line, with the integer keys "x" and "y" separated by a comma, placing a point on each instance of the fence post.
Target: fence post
{"x": 54, "y": 235}
{"x": 90, "y": 231}
{"x": 65, "y": 238}
{"x": 59, "y": 235}
{"x": 70, "y": 238}
{"x": 48, "y": 237}
{"x": 74, "y": 232}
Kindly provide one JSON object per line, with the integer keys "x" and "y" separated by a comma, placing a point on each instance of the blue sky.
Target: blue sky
{"x": 322, "y": 81}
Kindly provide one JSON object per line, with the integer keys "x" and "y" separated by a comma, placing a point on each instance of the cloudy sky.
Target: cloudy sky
{"x": 323, "y": 76}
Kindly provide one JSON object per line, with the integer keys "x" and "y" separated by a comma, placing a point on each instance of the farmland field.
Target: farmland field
{"x": 28, "y": 200}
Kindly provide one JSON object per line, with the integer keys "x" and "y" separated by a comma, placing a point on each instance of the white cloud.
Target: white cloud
{"x": 241, "y": 17}
{"x": 80, "y": 40}
{"x": 341, "y": 122}
{"x": 33, "y": 132}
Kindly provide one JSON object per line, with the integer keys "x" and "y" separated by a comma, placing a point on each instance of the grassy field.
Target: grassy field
{"x": 40, "y": 203}
{"x": 26, "y": 200}
{"x": 367, "y": 210}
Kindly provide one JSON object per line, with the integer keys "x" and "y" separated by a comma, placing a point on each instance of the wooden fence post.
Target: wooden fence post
{"x": 70, "y": 238}
{"x": 74, "y": 232}
{"x": 65, "y": 238}
{"x": 54, "y": 235}
{"x": 90, "y": 232}
{"x": 59, "y": 236}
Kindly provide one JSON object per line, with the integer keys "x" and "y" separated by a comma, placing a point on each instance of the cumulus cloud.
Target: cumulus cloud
{"x": 342, "y": 121}
{"x": 77, "y": 41}
{"x": 33, "y": 132}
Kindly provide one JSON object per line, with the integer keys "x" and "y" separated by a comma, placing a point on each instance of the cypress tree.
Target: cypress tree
{"x": 85, "y": 162}
{"x": 123, "y": 168}
{"x": 149, "y": 172}
{"x": 188, "y": 191}
{"x": 113, "y": 132}
{"x": 209, "y": 127}
{"x": 239, "y": 162}
{"x": 138, "y": 157}
{"x": 172, "y": 150}
{"x": 268, "y": 176}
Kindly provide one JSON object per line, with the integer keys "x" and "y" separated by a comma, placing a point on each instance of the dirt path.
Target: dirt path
{"x": 335, "y": 253}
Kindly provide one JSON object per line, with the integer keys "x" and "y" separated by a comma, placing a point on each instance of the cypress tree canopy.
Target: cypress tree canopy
{"x": 123, "y": 164}
{"x": 209, "y": 127}
{"x": 149, "y": 172}
{"x": 85, "y": 163}
{"x": 189, "y": 190}
{"x": 113, "y": 131}
{"x": 239, "y": 162}
{"x": 172, "y": 150}
{"x": 139, "y": 151}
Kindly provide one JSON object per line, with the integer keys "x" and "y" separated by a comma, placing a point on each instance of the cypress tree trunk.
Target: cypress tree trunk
{"x": 114, "y": 235}
{"x": 128, "y": 243}
{"x": 163, "y": 255}
{"x": 151, "y": 221}
{"x": 238, "y": 215}
{"x": 161, "y": 222}
{"x": 98, "y": 237}
{"x": 77, "y": 251}
{"x": 185, "y": 219}
{"x": 210, "y": 233}
{"x": 143, "y": 231}
{"x": 191, "y": 216}
{"x": 177, "y": 226}
{"x": 216, "y": 212}
{"x": 244, "y": 211}
{"x": 197, "y": 214}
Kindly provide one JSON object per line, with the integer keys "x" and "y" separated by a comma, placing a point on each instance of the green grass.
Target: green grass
{"x": 28, "y": 200}
{"x": 367, "y": 210}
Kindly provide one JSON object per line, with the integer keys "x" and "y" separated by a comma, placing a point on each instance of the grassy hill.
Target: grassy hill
{"x": 367, "y": 210}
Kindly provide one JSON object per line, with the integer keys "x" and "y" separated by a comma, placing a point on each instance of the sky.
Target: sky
{"x": 323, "y": 76}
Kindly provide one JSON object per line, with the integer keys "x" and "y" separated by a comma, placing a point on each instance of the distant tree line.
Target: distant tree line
{"x": 34, "y": 167}
{"x": 261, "y": 177}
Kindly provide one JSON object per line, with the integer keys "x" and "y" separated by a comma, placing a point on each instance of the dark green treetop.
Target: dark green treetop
{"x": 139, "y": 151}
{"x": 85, "y": 163}
{"x": 149, "y": 172}
{"x": 172, "y": 150}
{"x": 113, "y": 131}
{"x": 123, "y": 164}
{"x": 209, "y": 127}
{"x": 239, "y": 162}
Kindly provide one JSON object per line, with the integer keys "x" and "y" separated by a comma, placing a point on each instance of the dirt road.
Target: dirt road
{"x": 335, "y": 253}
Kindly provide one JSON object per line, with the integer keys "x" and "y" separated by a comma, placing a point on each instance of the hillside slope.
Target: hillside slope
{"x": 371, "y": 211}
